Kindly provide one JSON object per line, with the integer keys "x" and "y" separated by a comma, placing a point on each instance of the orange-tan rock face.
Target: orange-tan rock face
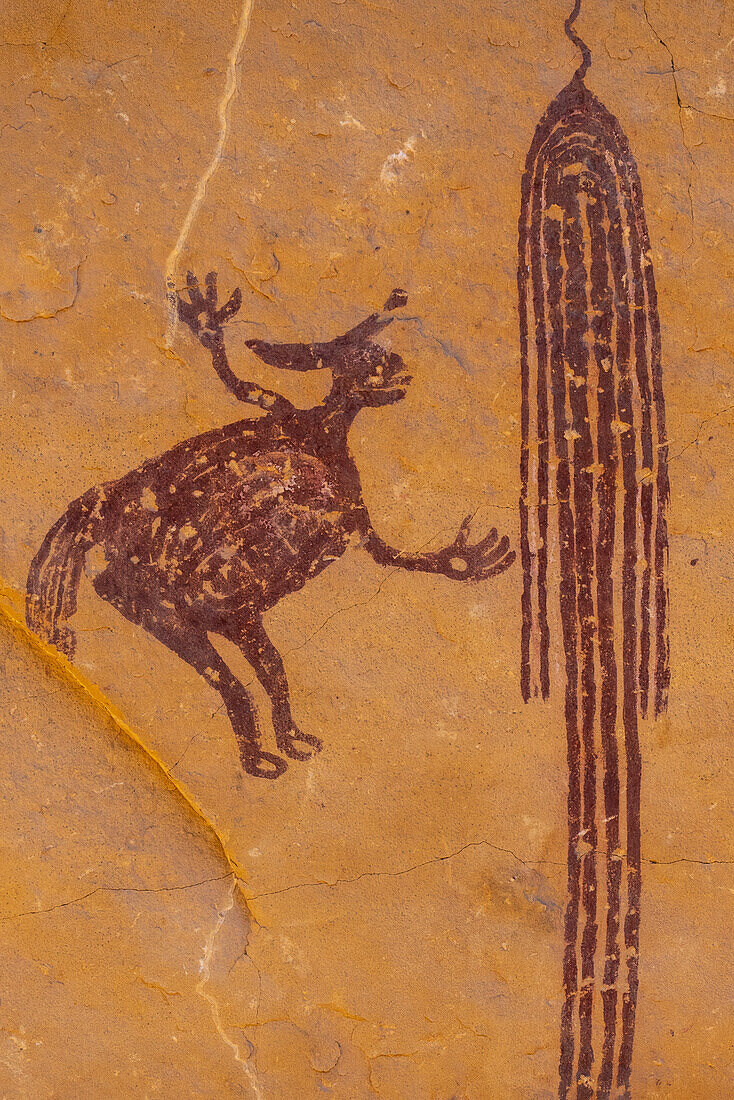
{"x": 384, "y": 919}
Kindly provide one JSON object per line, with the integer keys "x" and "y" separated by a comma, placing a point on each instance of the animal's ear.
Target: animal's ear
{"x": 397, "y": 300}
{"x": 331, "y": 354}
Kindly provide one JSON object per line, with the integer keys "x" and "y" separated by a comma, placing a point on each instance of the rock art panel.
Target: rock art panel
{"x": 278, "y": 830}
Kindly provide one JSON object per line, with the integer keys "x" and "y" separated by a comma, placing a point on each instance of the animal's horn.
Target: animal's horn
{"x": 397, "y": 300}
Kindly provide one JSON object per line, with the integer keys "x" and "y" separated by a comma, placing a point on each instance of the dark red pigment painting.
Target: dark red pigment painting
{"x": 593, "y": 541}
{"x": 207, "y": 537}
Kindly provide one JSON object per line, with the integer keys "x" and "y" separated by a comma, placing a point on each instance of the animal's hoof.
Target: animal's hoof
{"x": 287, "y": 743}
{"x": 264, "y": 765}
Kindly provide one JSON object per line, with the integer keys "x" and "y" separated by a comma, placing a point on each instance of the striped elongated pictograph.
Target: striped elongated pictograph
{"x": 594, "y": 544}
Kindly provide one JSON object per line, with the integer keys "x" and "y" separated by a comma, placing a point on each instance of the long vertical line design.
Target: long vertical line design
{"x": 594, "y": 453}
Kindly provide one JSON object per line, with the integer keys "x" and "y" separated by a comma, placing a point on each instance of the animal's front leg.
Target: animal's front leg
{"x": 249, "y": 634}
{"x": 460, "y": 561}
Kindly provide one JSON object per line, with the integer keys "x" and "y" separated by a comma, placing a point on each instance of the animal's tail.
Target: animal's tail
{"x": 594, "y": 467}
{"x": 53, "y": 578}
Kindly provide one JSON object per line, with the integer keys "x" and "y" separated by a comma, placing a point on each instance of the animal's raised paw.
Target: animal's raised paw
{"x": 479, "y": 561}
{"x": 287, "y": 743}
{"x": 264, "y": 765}
{"x": 201, "y": 311}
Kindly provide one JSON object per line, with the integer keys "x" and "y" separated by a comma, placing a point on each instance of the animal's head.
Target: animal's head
{"x": 370, "y": 376}
{"x": 364, "y": 373}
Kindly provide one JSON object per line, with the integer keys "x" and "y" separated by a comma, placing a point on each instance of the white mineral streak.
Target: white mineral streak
{"x": 205, "y": 972}
{"x": 391, "y": 168}
{"x": 230, "y": 87}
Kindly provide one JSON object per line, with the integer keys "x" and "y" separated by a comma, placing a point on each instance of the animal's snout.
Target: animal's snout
{"x": 269, "y": 353}
{"x": 394, "y": 364}
{"x": 395, "y": 369}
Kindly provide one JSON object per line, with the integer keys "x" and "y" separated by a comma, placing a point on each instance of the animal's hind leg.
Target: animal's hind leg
{"x": 192, "y": 644}
{"x": 189, "y": 641}
{"x": 249, "y": 634}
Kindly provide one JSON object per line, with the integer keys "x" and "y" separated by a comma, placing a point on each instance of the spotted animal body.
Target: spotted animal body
{"x": 207, "y": 537}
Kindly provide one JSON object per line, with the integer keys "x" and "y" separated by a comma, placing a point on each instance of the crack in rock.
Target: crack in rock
{"x": 681, "y": 108}
{"x": 114, "y": 890}
{"x": 601, "y": 854}
{"x": 409, "y": 870}
{"x": 205, "y": 972}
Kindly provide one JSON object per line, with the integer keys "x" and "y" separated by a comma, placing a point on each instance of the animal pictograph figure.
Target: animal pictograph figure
{"x": 210, "y": 535}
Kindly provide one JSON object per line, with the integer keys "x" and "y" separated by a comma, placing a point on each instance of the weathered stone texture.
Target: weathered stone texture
{"x": 385, "y": 920}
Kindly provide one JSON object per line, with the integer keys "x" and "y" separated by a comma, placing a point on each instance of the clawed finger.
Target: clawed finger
{"x": 192, "y": 285}
{"x": 187, "y": 313}
{"x": 487, "y": 541}
{"x": 487, "y": 558}
{"x": 463, "y": 535}
{"x": 495, "y": 569}
{"x": 230, "y": 308}
{"x": 211, "y": 287}
{"x": 499, "y": 551}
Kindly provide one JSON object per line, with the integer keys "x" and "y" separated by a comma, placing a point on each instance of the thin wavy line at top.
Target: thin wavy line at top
{"x": 578, "y": 42}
